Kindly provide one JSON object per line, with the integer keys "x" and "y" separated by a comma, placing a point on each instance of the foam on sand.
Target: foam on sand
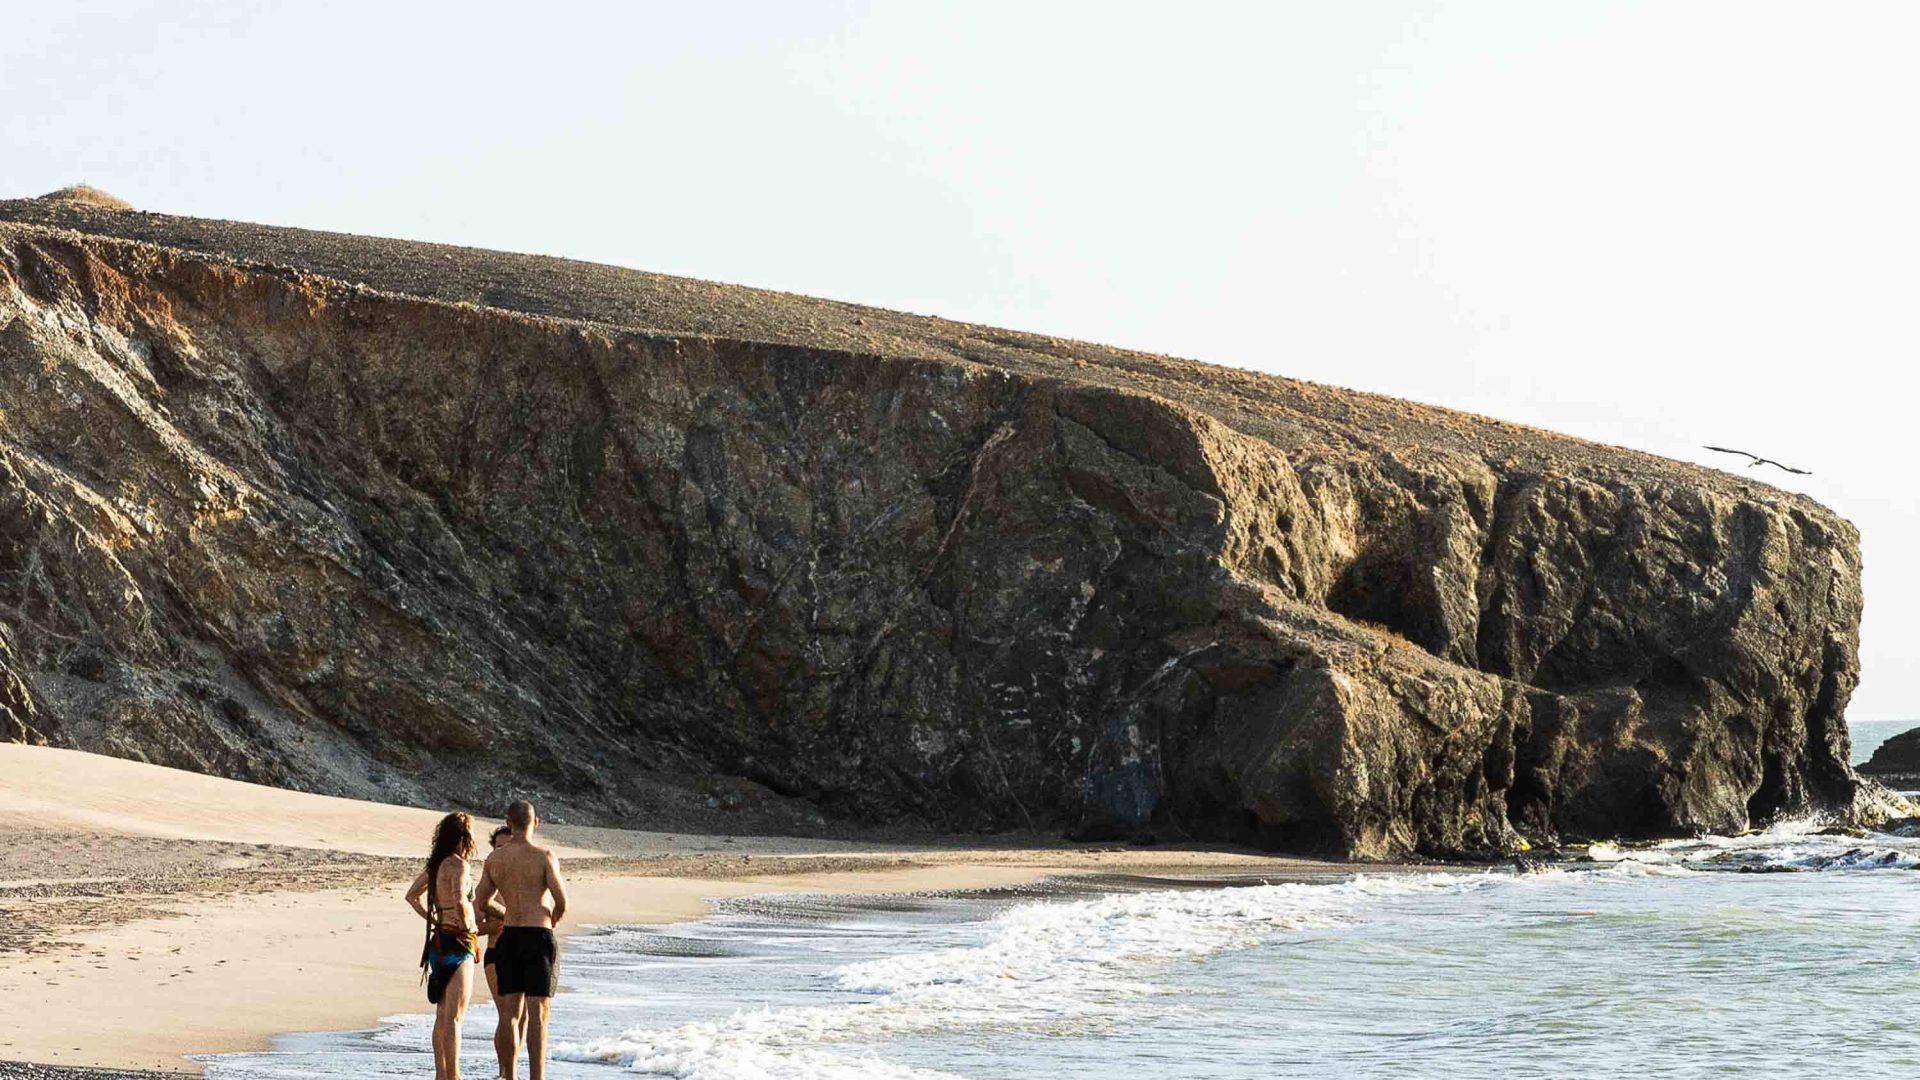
{"x": 1044, "y": 966}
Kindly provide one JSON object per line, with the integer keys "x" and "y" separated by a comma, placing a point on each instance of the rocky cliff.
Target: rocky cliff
{"x": 434, "y": 525}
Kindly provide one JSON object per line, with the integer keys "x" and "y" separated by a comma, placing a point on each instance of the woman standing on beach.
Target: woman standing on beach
{"x": 448, "y": 955}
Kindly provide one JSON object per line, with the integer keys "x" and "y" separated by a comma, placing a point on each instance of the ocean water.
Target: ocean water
{"x": 1867, "y": 735}
{"x": 1789, "y": 953}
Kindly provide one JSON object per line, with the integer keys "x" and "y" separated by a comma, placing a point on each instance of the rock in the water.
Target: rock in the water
{"x": 261, "y": 523}
{"x": 1896, "y": 762}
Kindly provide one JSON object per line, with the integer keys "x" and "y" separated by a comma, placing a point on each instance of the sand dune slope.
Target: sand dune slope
{"x": 68, "y": 789}
{"x": 71, "y": 790}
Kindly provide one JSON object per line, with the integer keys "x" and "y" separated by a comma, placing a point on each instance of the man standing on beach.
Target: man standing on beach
{"x": 522, "y": 873}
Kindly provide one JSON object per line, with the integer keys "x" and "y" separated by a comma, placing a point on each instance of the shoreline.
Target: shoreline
{"x": 252, "y": 967}
{"x": 148, "y": 914}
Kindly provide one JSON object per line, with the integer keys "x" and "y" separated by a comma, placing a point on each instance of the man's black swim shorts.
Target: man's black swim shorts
{"x": 526, "y": 961}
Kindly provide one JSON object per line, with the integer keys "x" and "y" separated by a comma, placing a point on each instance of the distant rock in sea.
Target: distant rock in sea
{"x": 1896, "y": 762}
{"x": 433, "y": 524}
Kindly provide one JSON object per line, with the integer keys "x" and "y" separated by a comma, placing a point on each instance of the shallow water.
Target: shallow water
{"x": 1676, "y": 960}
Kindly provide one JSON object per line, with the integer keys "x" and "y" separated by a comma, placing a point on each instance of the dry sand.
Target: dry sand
{"x": 147, "y": 913}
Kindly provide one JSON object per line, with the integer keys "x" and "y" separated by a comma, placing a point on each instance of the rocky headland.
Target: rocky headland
{"x": 430, "y": 524}
{"x": 1896, "y": 762}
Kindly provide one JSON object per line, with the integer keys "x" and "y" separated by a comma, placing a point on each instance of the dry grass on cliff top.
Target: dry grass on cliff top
{"x": 86, "y": 195}
{"x": 1307, "y": 419}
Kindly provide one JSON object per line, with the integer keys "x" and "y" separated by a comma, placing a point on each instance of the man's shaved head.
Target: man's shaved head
{"x": 520, "y": 816}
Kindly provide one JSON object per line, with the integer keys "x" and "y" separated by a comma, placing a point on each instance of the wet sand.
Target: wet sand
{"x": 148, "y": 914}
{"x": 16, "y": 1070}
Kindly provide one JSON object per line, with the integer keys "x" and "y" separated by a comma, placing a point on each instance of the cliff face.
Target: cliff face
{"x": 266, "y": 524}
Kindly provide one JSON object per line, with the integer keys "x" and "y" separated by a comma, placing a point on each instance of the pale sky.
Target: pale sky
{"x": 1657, "y": 225}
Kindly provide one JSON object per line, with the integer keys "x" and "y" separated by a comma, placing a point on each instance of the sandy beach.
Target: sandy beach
{"x": 150, "y": 914}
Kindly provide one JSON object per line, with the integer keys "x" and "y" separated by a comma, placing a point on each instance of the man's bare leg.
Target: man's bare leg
{"x": 537, "y": 1038}
{"x": 500, "y": 1011}
{"x": 506, "y": 1033}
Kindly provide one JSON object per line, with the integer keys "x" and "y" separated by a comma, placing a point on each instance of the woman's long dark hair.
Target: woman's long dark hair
{"x": 453, "y": 836}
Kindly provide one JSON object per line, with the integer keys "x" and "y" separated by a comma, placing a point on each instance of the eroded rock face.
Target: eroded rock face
{"x": 272, "y": 526}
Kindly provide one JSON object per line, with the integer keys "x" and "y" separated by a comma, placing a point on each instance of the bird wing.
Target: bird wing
{"x": 1758, "y": 460}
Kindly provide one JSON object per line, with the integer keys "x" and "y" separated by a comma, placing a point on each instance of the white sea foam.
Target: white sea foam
{"x": 1586, "y": 973}
{"x": 1077, "y": 972}
{"x": 1046, "y": 966}
{"x": 1802, "y": 844}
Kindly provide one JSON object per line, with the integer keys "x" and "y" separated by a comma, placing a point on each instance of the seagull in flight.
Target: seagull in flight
{"x": 1758, "y": 460}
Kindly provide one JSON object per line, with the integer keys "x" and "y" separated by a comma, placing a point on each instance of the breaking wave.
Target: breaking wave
{"x": 1066, "y": 968}
{"x": 1801, "y": 845}
{"x": 900, "y": 988}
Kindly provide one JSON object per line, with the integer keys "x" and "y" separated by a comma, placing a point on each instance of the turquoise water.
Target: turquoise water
{"x": 1867, "y": 735}
{"x": 1676, "y": 960}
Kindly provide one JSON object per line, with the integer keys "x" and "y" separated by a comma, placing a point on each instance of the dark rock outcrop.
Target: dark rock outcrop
{"x": 263, "y": 523}
{"x": 1896, "y": 762}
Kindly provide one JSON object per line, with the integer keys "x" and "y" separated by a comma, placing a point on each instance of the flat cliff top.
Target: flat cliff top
{"x": 1308, "y": 418}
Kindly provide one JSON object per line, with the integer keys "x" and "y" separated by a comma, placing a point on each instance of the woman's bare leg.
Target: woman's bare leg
{"x": 441, "y": 1014}
{"x": 446, "y": 1023}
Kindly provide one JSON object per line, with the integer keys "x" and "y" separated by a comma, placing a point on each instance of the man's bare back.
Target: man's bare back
{"x": 522, "y": 873}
